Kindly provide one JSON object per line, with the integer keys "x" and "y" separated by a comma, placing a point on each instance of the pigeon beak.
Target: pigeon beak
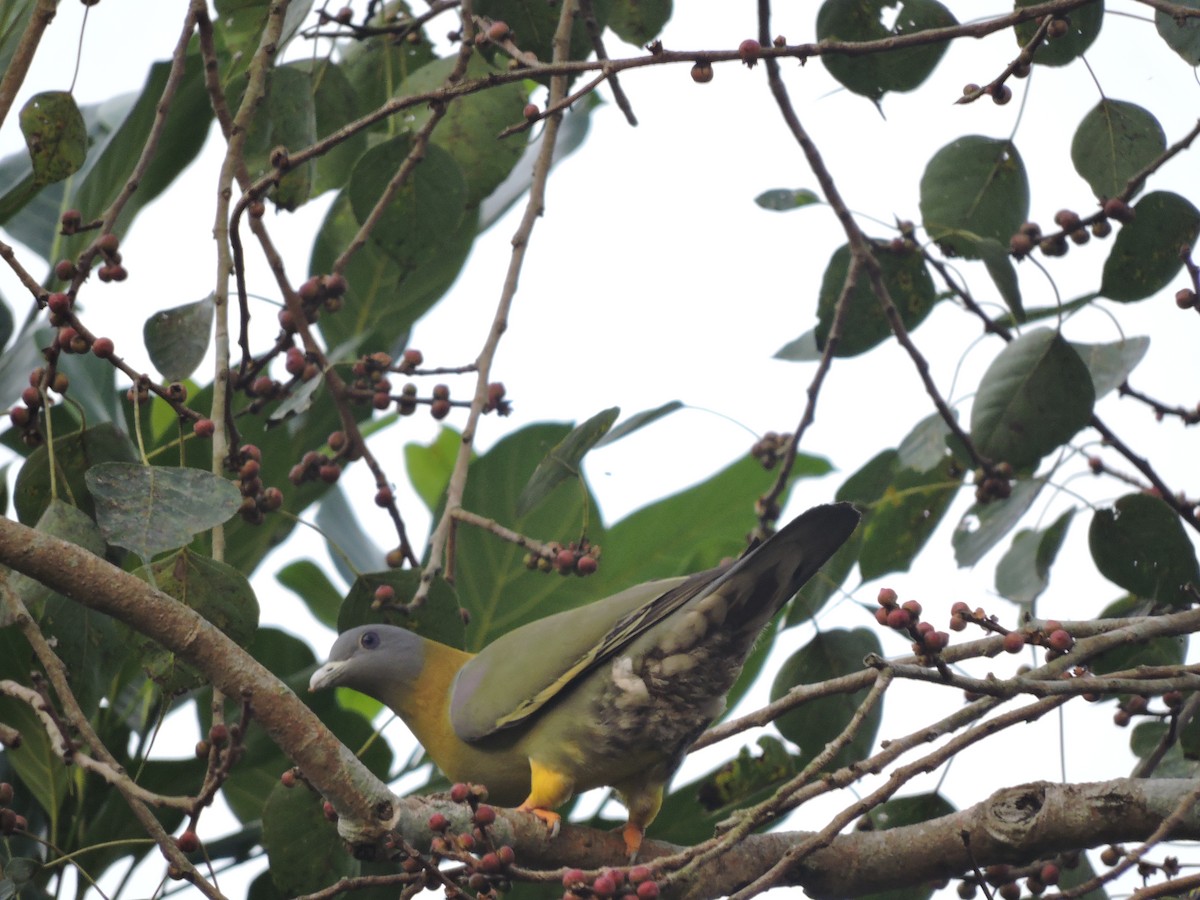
{"x": 326, "y": 676}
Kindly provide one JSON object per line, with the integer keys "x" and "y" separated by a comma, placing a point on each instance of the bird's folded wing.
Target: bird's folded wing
{"x": 522, "y": 671}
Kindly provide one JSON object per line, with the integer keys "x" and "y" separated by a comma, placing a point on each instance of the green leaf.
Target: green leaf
{"x": 974, "y": 188}
{"x": 1147, "y": 253}
{"x": 288, "y": 119}
{"x": 177, "y": 338}
{"x": 901, "y": 520}
{"x": 1004, "y": 276}
{"x": 151, "y": 509}
{"x": 423, "y": 213}
{"x": 15, "y": 16}
{"x": 468, "y": 131}
{"x": 55, "y": 136}
{"x": 300, "y": 400}
{"x": 1139, "y": 544}
{"x": 1110, "y": 364}
{"x": 352, "y": 547}
{"x": 638, "y": 22}
{"x": 117, "y": 131}
{"x": 1085, "y": 24}
{"x": 1163, "y": 651}
{"x": 1114, "y": 141}
{"x": 493, "y": 584}
{"x": 694, "y": 529}
{"x": 564, "y": 460}
{"x": 216, "y": 591}
{"x": 335, "y": 104}
{"x": 534, "y": 22}
{"x": 1182, "y": 36}
{"x": 782, "y": 199}
{"x": 638, "y": 421}
{"x": 1024, "y": 571}
{"x": 874, "y": 74}
{"x": 1034, "y": 397}
{"x": 438, "y": 619}
{"x": 87, "y": 641}
{"x": 74, "y": 455}
{"x": 303, "y": 847}
{"x": 828, "y": 655}
{"x": 866, "y": 325}
{"x": 429, "y": 466}
{"x": 801, "y": 349}
{"x": 309, "y": 582}
{"x": 983, "y": 525}
{"x": 912, "y": 810}
{"x": 925, "y": 446}
{"x": 388, "y": 294}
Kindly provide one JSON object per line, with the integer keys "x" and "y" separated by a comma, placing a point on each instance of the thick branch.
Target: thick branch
{"x": 89, "y": 580}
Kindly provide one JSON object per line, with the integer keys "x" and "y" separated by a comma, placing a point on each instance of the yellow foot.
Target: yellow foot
{"x": 633, "y": 839}
{"x": 552, "y": 819}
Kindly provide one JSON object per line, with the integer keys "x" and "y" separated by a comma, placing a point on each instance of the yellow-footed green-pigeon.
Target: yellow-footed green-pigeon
{"x": 608, "y": 694}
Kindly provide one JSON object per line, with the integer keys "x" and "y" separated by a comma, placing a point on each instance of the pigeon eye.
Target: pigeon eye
{"x": 369, "y": 640}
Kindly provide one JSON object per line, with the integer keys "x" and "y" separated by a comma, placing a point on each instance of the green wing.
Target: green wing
{"x": 522, "y": 671}
{"x": 519, "y": 672}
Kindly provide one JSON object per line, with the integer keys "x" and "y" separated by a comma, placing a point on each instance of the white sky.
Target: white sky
{"x": 653, "y": 277}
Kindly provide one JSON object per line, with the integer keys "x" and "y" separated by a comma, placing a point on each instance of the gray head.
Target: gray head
{"x": 372, "y": 659}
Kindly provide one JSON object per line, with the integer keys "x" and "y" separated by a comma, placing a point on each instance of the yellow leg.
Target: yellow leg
{"x": 643, "y": 806}
{"x": 547, "y": 789}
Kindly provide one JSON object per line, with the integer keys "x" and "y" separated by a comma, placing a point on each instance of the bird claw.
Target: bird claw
{"x": 633, "y": 840}
{"x": 552, "y": 820}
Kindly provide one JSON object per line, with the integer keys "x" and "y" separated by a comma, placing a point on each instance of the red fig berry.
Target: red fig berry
{"x": 573, "y": 878}
{"x": 1014, "y": 642}
{"x": 531, "y": 111}
{"x": 1060, "y": 640}
{"x": 749, "y": 51}
{"x": 103, "y": 347}
{"x": 498, "y": 31}
{"x": 203, "y": 428}
{"x": 887, "y": 598}
{"x": 64, "y": 270}
{"x": 702, "y": 72}
{"x": 288, "y": 779}
{"x": 586, "y": 565}
{"x": 898, "y": 619}
{"x": 1066, "y": 219}
{"x": 189, "y": 841}
{"x": 484, "y": 815}
{"x": 439, "y": 409}
{"x": 647, "y": 890}
{"x": 335, "y": 285}
{"x": 1116, "y": 208}
{"x": 1185, "y": 298}
{"x": 459, "y": 792}
{"x": 108, "y": 243}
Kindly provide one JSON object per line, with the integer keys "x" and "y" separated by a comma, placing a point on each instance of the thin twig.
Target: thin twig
{"x": 534, "y": 208}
